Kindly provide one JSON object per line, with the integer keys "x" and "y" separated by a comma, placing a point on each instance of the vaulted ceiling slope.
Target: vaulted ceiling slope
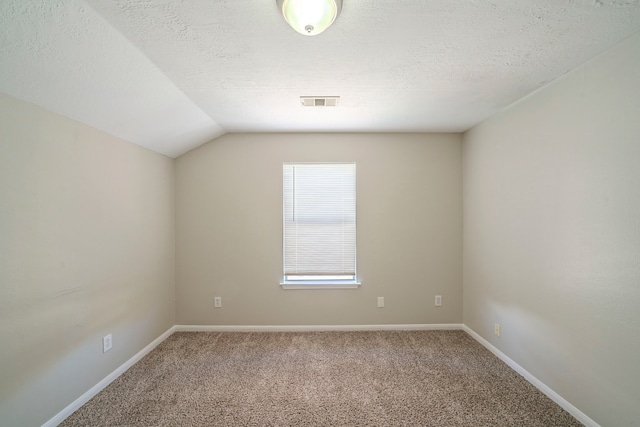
{"x": 170, "y": 75}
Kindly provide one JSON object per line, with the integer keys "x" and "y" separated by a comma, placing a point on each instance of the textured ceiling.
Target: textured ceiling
{"x": 170, "y": 75}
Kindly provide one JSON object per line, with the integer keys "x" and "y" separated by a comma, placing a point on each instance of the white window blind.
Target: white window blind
{"x": 319, "y": 221}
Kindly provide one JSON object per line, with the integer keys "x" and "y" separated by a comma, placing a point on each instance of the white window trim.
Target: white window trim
{"x": 321, "y": 284}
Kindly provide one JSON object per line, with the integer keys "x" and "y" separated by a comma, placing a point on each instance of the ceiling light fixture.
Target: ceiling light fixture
{"x": 310, "y": 17}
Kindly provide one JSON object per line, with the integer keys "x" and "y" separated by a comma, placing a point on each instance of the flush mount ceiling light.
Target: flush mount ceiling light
{"x": 310, "y": 17}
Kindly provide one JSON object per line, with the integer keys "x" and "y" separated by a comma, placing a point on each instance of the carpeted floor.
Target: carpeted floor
{"x": 375, "y": 378}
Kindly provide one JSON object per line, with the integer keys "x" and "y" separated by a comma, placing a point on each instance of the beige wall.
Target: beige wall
{"x": 551, "y": 240}
{"x": 229, "y": 230}
{"x": 552, "y": 234}
{"x": 86, "y": 249}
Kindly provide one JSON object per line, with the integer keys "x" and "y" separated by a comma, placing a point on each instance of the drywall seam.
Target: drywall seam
{"x": 564, "y": 404}
{"x": 76, "y": 404}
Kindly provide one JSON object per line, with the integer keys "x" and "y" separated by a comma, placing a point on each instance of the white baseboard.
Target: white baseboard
{"x": 312, "y": 328}
{"x": 562, "y": 402}
{"x": 62, "y": 415}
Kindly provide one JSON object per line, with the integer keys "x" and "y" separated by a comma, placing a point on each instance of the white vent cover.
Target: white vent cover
{"x": 319, "y": 101}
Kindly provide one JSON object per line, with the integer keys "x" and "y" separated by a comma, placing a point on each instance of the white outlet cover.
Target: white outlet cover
{"x": 107, "y": 343}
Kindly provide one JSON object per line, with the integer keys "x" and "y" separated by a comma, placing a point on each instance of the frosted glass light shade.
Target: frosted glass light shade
{"x": 310, "y": 17}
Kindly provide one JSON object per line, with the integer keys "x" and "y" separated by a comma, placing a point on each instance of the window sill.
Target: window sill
{"x": 308, "y": 284}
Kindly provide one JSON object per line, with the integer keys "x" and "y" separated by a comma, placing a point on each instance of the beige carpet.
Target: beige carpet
{"x": 386, "y": 378}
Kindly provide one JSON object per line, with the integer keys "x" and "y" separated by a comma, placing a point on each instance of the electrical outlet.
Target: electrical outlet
{"x": 438, "y": 301}
{"x": 496, "y": 329}
{"x": 380, "y": 302}
{"x": 217, "y": 302}
{"x": 107, "y": 343}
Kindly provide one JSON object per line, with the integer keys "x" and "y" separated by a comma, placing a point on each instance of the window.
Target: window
{"x": 319, "y": 225}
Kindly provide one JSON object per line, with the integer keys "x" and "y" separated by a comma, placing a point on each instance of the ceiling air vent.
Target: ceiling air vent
{"x": 319, "y": 101}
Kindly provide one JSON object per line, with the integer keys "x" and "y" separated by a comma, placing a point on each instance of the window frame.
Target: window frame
{"x": 319, "y": 281}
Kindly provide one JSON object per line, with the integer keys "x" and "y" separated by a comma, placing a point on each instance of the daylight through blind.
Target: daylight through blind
{"x": 319, "y": 221}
